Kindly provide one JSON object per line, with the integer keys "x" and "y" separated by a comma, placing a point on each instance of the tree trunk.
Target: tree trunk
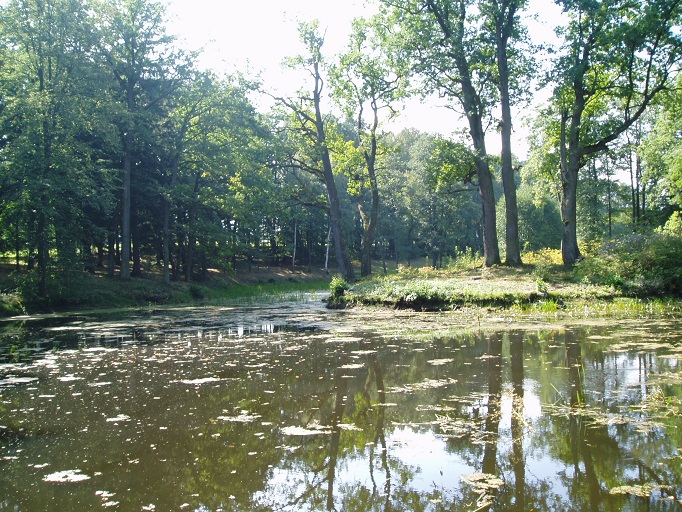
{"x": 125, "y": 223}
{"x": 504, "y": 26}
{"x": 570, "y": 166}
{"x": 336, "y": 221}
{"x": 513, "y": 251}
{"x": 136, "y": 245}
{"x": 166, "y": 241}
{"x": 293, "y": 252}
{"x": 471, "y": 103}
{"x": 335, "y": 215}
{"x": 369, "y": 222}
{"x": 43, "y": 252}
{"x": 369, "y": 227}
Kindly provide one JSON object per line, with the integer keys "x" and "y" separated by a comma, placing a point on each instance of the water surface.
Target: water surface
{"x": 293, "y": 407}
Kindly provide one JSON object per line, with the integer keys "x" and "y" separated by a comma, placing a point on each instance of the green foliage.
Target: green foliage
{"x": 539, "y": 219}
{"x": 196, "y": 292}
{"x": 465, "y": 259}
{"x": 450, "y": 164}
{"x": 637, "y": 264}
{"x": 68, "y": 288}
{"x": 337, "y": 290}
{"x": 674, "y": 225}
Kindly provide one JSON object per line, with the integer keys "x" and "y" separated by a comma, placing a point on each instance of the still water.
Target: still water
{"x": 293, "y": 407}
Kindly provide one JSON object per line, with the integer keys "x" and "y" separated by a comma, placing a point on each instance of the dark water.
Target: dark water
{"x": 298, "y": 408}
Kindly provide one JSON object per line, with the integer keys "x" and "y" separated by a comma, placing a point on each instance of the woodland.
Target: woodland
{"x": 119, "y": 156}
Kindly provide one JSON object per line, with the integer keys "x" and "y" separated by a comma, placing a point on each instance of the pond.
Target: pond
{"x": 294, "y": 407}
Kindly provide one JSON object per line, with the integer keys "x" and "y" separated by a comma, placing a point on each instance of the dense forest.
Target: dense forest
{"x": 117, "y": 153}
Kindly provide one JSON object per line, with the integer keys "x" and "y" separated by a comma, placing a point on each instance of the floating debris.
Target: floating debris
{"x": 199, "y": 382}
{"x": 483, "y": 484}
{"x": 425, "y": 384}
{"x": 352, "y": 366}
{"x": 440, "y": 362}
{"x": 69, "y": 378}
{"x": 314, "y": 430}
{"x": 120, "y": 417}
{"x": 483, "y": 481}
{"x": 12, "y": 380}
{"x": 242, "y": 418}
{"x": 68, "y": 476}
{"x": 349, "y": 426}
{"x": 641, "y": 491}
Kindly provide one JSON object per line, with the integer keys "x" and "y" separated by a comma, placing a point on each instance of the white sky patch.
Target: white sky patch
{"x": 256, "y": 37}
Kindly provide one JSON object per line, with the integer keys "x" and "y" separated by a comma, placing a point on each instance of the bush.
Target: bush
{"x": 65, "y": 288}
{"x": 544, "y": 262}
{"x": 637, "y": 265}
{"x": 463, "y": 260}
{"x": 196, "y": 292}
{"x": 338, "y": 287}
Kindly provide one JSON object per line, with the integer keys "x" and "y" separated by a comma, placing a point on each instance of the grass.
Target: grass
{"x": 543, "y": 287}
{"x": 98, "y": 291}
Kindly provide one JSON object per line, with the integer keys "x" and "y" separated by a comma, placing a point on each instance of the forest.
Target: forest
{"x": 119, "y": 155}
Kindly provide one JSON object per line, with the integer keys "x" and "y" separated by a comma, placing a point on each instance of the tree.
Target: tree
{"x": 366, "y": 79}
{"x": 445, "y": 48}
{"x": 146, "y": 69}
{"x": 657, "y": 176}
{"x": 502, "y": 22}
{"x": 51, "y": 156}
{"x": 310, "y": 129}
{"x": 431, "y": 208}
{"x": 618, "y": 56}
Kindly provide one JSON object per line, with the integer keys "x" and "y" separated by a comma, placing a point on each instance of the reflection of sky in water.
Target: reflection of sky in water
{"x": 423, "y": 452}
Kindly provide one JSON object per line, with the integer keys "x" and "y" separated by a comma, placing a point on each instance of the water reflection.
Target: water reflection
{"x": 275, "y": 416}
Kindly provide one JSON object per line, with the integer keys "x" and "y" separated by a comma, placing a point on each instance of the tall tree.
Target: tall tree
{"x": 367, "y": 80}
{"x": 661, "y": 164}
{"x": 618, "y": 56}
{"x": 501, "y": 19}
{"x": 146, "y": 68}
{"x": 442, "y": 39}
{"x": 311, "y": 128}
{"x": 53, "y": 125}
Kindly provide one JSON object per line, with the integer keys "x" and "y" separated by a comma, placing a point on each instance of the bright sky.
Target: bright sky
{"x": 255, "y": 37}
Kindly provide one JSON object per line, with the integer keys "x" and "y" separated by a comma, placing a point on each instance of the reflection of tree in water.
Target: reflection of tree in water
{"x": 367, "y": 415}
{"x": 517, "y": 421}
{"x": 492, "y": 420}
{"x": 349, "y": 388}
{"x": 601, "y": 454}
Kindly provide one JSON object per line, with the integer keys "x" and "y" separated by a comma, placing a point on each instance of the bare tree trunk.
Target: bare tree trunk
{"x": 293, "y": 252}
{"x": 505, "y": 25}
{"x": 570, "y": 166}
{"x": 471, "y": 103}
{"x": 335, "y": 216}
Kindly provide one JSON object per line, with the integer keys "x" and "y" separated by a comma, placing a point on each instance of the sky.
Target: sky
{"x": 254, "y": 37}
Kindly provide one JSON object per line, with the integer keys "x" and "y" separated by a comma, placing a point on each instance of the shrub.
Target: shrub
{"x": 196, "y": 292}
{"x": 637, "y": 264}
{"x": 544, "y": 262}
{"x": 464, "y": 260}
{"x": 338, "y": 287}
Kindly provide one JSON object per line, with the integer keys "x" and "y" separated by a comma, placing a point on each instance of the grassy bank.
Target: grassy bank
{"x": 543, "y": 287}
{"x": 98, "y": 291}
